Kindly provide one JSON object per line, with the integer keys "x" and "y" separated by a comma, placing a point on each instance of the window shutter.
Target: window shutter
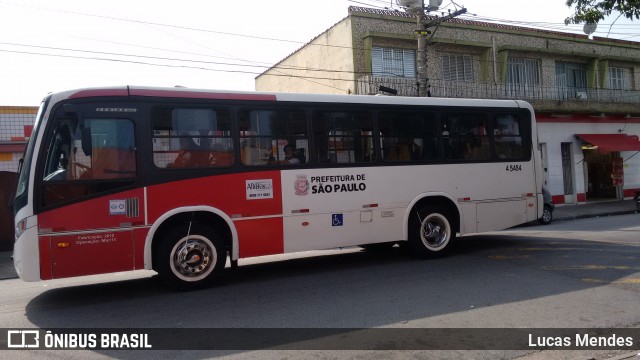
{"x": 447, "y": 73}
{"x": 409, "y": 64}
{"x": 457, "y": 67}
{"x": 376, "y": 61}
{"x": 468, "y": 68}
{"x": 393, "y": 62}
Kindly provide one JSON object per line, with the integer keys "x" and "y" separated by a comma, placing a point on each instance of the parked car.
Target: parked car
{"x": 547, "y": 213}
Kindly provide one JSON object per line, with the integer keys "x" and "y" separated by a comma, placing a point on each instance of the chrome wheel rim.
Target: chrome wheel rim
{"x": 546, "y": 215}
{"x": 193, "y": 258}
{"x": 435, "y": 232}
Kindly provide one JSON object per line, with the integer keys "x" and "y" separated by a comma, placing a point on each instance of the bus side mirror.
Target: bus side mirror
{"x": 86, "y": 141}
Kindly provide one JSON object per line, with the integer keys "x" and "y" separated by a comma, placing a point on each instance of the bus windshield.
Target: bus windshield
{"x": 25, "y": 169}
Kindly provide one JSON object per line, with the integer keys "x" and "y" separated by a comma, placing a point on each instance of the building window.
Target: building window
{"x": 523, "y": 77}
{"x": 457, "y": 67}
{"x": 571, "y": 79}
{"x": 393, "y": 62}
{"x": 616, "y": 78}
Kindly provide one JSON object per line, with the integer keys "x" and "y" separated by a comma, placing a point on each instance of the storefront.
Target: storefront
{"x": 604, "y": 163}
{"x": 589, "y": 158}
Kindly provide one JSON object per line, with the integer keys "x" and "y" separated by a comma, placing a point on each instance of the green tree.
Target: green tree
{"x": 592, "y": 11}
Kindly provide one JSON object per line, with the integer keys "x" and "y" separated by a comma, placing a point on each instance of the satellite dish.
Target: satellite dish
{"x": 412, "y": 6}
{"x": 590, "y": 28}
{"x": 434, "y": 4}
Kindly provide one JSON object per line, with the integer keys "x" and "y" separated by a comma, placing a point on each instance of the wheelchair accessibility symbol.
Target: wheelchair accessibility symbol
{"x": 336, "y": 220}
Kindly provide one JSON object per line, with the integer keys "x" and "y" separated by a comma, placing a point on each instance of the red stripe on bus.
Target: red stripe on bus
{"x": 231, "y": 194}
{"x": 139, "y": 239}
{"x": 259, "y": 237}
{"x": 44, "y": 247}
{"x": 202, "y": 95}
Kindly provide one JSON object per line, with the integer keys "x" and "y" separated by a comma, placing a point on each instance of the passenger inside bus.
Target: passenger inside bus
{"x": 290, "y": 157}
{"x": 186, "y": 157}
{"x": 404, "y": 150}
{"x": 250, "y": 153}
{"x": 220, "y": 155}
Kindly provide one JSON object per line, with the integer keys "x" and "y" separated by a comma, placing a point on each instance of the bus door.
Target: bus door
{"x": 88, "y": 207}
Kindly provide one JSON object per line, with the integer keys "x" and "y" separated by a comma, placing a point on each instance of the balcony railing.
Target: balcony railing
{"x": 459, "y": 89}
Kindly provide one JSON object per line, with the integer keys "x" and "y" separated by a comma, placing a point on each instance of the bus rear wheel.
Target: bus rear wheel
{"x": 431, "y": 231}
{"x": 190, "y": 257}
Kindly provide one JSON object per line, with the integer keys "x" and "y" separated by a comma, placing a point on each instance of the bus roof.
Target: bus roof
{"x": 179, "y": 92}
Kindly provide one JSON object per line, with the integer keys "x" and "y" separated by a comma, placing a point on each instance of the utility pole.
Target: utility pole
{"x": 418, "y": 7}
{"x": 422, "y": 80}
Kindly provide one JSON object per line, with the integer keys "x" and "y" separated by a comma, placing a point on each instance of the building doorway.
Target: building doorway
{"x": 567, "y": 173}
{"x": 599, "y": 174}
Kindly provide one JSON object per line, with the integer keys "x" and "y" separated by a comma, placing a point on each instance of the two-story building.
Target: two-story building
{"x": 16, "y": 124}
{"x": 586, "y": 92}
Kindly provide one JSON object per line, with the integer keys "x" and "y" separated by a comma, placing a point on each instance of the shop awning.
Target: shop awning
{"x": 612, "y": 142}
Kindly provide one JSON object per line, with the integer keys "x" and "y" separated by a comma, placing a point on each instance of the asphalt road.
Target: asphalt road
{"x": 571, "y": 274}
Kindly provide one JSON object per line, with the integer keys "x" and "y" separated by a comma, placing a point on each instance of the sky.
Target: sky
{"x": 55, "y": 45}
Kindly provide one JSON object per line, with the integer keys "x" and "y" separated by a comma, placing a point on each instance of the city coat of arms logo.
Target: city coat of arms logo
{"x": 302, "y": 185}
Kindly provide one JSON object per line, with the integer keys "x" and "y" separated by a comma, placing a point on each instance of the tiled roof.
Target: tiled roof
{"x": 397, "y": 13}
{"x": 358, "y": 9}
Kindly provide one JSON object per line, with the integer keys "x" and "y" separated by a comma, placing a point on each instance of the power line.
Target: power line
{"x": 220, "y": 70}
{"x": 163, "y": 65}
{"x": 173, "y": 59}
{"x": 183, "y": 28}
{"x": 277, "y": 67}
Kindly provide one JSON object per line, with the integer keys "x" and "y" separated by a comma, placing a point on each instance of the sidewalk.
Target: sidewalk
{"x": 594, "y": 209}
{"x": 561, "y": 212}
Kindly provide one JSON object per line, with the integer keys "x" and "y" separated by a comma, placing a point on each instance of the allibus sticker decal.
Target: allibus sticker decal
{"x": 259, "y": 189}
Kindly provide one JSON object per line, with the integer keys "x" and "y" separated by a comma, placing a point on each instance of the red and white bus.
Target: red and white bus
{"x": 180, "y": 180}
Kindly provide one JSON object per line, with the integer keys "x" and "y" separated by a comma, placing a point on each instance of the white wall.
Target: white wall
{"x": 553, "y": 134}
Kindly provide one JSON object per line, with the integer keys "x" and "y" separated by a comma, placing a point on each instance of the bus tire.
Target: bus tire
{"x": 431, "y": 231}
{"x": 190, "y": 258}
{"x": 547, "y": 216}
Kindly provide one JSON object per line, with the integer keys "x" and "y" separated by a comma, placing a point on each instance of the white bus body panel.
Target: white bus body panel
{"x": 26, "y": 252}
{"x": 371, "y": 203}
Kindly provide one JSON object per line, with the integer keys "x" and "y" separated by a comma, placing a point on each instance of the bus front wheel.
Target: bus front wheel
{"x": 190, "y": 257}
{"x": 431, "y": 231}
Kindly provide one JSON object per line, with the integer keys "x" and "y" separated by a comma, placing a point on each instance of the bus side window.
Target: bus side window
{"x": 465, "y": 136}
{"x": 59, "y": 152}
{"x": 508, "y": 138}
{"x": 113, "y": 150}
{"x": 408, "y": 136}
{"x": 70, "y": 169}
{"x": 191, "y": 138}
{"x": 273, "y": 137}
{"x": 343, "y": 137}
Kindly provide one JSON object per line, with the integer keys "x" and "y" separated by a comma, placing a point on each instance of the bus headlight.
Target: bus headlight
{"x": 21, "y": 226}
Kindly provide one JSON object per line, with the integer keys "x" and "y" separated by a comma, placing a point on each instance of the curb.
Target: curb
{"x": 587, "y": 216}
